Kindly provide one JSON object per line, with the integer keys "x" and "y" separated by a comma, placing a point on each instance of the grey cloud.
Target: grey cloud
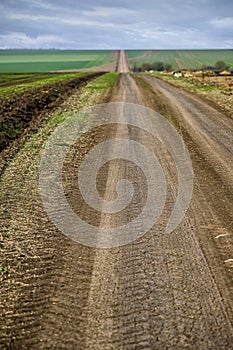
{"x": 116, "y": 24}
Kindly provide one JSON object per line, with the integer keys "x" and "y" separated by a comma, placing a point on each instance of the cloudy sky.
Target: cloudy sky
{"x": 115, "y": 24}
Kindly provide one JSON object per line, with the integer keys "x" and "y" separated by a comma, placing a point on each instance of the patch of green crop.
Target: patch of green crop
{"x": 58, "y": 118}
{"x": 11, "y": 91}
{"x": 104, "y": 82}
{"x": 9, "y": 131}
{"x": 182, "y": 59}
{"x": 52, "y": 60}
{"x": 136, "y": 53}
{"x": 3, "y": 269}
{"x": 19, "y": 78}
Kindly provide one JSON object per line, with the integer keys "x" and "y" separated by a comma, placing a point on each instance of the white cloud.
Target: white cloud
{"x": 99, "y": 11}
{"x": 39, "y": 4}
{"x": 21, "y": 41}
{"x": 225, "y": 23}
{"x": 71, "y": 20}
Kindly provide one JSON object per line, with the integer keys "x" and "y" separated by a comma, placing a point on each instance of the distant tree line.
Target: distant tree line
{"x": 161, "y": 66}
{"x": 157, "y": 66}
{"x": 219, "y": 66}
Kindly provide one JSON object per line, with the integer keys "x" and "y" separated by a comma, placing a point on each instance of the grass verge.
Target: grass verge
{"x": 222, "y": 96}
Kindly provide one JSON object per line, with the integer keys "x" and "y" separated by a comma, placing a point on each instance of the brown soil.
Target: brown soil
{"x": 30, "y": 253}
{"x": 219, "y": 81}
{"x": 29, "y": 108}
{"x": 160, "y": 292}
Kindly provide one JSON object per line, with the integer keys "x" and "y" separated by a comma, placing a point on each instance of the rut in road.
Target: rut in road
{"x": 156, "y": 293}
{"x": 160, "y": 292}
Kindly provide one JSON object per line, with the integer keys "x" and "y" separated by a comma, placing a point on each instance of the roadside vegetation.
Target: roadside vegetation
{"x": 161, "y": 67}
{"x": 104, "y": 82}
{"x": 218, "y": 89}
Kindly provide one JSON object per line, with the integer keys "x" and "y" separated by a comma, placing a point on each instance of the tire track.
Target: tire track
{"x": 160, "y": 292}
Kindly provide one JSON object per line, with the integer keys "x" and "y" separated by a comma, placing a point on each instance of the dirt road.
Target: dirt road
{"x": 163, "y": 291}
{"x": 122, "y": 66}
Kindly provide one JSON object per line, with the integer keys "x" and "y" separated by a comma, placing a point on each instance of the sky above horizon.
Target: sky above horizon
{"x": 112, "y": 24}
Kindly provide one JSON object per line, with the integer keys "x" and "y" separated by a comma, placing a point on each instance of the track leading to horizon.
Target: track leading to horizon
{"x": 163, "y": 291}
{"x": 122, "y": 66}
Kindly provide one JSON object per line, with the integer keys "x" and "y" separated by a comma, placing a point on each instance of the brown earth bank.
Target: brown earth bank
{"x": 163, "y": 291}
{"x": 29, "y": 108}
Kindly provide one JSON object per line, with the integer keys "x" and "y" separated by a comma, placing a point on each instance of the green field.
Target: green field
{"x": 12, "y": 85}
{"x": 181, "y": 59}
{"x": 24, "y": 61}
